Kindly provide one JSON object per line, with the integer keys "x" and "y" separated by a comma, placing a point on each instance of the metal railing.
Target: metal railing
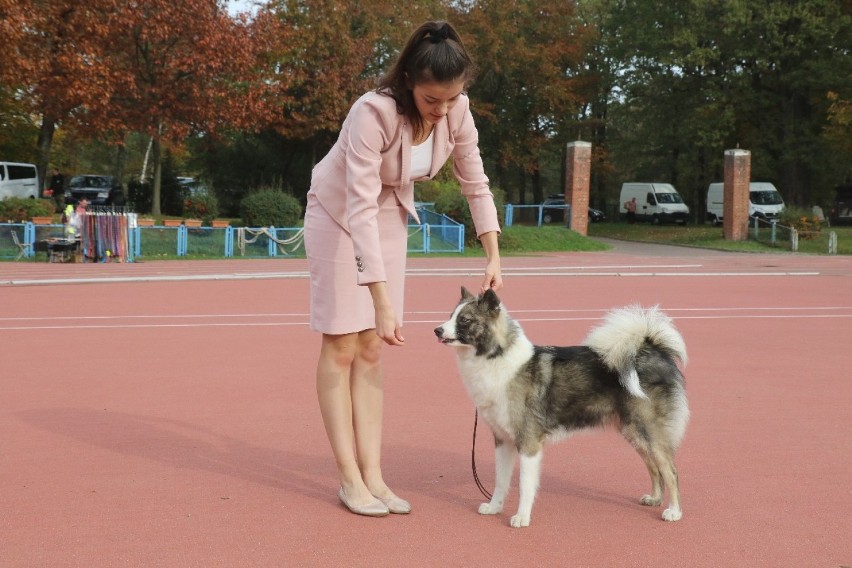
{"x": 436, "y": 233}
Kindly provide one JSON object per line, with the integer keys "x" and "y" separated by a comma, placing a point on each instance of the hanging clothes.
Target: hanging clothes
{"x": 105, "y": 235}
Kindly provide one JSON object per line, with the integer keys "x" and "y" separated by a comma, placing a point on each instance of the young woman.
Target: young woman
{"x": 356, "y": 239}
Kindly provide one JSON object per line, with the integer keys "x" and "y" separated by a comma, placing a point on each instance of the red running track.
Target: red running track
{"x": 163, "y": 414}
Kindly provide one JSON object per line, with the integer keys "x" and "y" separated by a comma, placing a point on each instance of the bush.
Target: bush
{"x": 270, "y": 208}
{"x": 202, "y": 206}
{"x": 804, "y": 221}
{"x": 18, "y": 209}
{"x": 450, "y": 201}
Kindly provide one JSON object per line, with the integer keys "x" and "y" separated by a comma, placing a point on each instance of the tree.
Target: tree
{"x": 699, "y": 77}
{"x": 529, "y": 90}
{"x": 185, "y": 67}
{"x": 53, "y": 58}
{"x": 334, "y": 52}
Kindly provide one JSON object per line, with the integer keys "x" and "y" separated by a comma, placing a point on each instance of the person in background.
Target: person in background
{"x": 631, "y": 210}
{"x": 356, "y": 241}
{"x": 56, "y": 187}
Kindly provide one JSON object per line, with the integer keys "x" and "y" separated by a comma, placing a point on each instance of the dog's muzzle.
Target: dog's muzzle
{"x": 439, "y": 332}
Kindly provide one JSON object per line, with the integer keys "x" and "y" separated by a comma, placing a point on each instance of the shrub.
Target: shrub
{"x": 270, "y": 208}
{"x": 450, "y": 201}
{"x": 805, "y": 222}
{"x": 18, "y": 209}
{"x": 203, "y": 206}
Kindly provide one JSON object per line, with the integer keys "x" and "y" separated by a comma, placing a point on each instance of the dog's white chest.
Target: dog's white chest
{"x": 487, "y": 382}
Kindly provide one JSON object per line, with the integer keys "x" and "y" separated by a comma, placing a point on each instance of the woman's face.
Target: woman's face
{"x": 434, "y": 100}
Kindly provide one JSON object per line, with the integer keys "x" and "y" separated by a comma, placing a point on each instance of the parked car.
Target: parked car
{"x": 18, "y": 180}
{"x": 554, "y": 208}
{"x": 841, "y": 210}
{"x": 97, "y": 190}
{"x": 191, "y": 186}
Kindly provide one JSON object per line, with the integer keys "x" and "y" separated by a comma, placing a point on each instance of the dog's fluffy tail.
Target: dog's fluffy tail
{"x": 623, "y": 333}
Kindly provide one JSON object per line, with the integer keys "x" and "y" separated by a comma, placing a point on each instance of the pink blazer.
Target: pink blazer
{"x": 370, "y": 163}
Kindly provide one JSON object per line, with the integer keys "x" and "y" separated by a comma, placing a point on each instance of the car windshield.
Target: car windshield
{"x": 765, "y": 198}
{"x": 669, "y": 198}
{"x": 88, "y": 181}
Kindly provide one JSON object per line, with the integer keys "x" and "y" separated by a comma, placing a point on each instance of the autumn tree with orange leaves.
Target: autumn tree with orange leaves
{"x": 530, "y": 85}
{"x": 187, "y": 68}
{"x": 162, "y": 68}
{"x": 334, "y": 52}
{"x": 54, "y": 61}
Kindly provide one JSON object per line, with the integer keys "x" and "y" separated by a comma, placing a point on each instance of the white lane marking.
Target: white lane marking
{"x": 551, "y": 268}
{"x": 152, "y": 316}
{"x": 419, "y": 272}
{"x": 514, "y": 312}
{"x": 720, "y": 316}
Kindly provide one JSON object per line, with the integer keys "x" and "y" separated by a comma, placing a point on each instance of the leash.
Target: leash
{"x": 473, "y": 459}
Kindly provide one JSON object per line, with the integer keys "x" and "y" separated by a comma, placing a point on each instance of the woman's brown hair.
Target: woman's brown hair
{"x": 433, "y": 54}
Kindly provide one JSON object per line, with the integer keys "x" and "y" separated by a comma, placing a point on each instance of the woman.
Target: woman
{"x": 356, "y": 239}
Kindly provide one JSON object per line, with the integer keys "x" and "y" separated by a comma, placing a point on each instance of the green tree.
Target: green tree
{"x": 697, "y": 77}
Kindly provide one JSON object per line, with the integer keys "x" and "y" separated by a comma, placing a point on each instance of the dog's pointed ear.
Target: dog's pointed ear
{"x": 465, "y": 294}
{"x": 490, "y": 300}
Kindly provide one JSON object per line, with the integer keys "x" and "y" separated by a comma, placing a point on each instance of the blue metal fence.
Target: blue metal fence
{"x": 534, "y": 210}
{"x": 436, "y": 233}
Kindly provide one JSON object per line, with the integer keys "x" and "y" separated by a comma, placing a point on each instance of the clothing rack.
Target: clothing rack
{"x": 104, "y": 234}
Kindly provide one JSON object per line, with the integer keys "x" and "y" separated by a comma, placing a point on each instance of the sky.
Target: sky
{"x": 237, "y": 6}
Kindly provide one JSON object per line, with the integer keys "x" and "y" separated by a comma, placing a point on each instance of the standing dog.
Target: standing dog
{"x": 625, "y": 375}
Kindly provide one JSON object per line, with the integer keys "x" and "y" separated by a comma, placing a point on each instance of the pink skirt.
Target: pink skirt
{"x": 338, "y": 304}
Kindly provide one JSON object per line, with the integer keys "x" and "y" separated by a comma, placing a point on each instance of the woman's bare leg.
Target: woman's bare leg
{"x": 334, "y": 374}
{"x": 367, "y": 407}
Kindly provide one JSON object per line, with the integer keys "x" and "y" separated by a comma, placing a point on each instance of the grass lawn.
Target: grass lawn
{"x": 708, "y": 236}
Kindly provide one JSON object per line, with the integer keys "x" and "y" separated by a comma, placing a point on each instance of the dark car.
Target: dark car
{"x": 97, "y": 190}
{"x": 554, "y": 208}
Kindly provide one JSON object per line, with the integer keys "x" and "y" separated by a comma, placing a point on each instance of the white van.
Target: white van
{"x": 655, "y": 202}
{"x": 764, "y": 201}
{"x": 18, "y": 180}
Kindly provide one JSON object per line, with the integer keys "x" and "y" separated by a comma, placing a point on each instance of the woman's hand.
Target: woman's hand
{"x": 493, "y": 276}
{"x": 387, "y": 329}
{"x": 386, "y": 323}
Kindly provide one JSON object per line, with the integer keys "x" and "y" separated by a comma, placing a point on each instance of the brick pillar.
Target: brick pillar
{"x": 735, "y": 208}
{"x": 578, "y": 167}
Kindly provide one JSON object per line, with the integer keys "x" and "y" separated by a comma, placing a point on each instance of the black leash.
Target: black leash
{"x": 473, "y": 459}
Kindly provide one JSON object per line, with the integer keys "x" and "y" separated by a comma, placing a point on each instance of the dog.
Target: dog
{"x": 625, "y": 375}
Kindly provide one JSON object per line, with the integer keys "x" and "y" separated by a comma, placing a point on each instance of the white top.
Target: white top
{"x": 421, "y": 157}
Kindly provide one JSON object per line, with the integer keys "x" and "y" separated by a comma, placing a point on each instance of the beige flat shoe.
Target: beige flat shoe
{"x": 396, "y": 505}
{"x": 373, "y": 509}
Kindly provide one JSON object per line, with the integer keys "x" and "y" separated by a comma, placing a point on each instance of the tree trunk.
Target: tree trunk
{"x": 538, "y": 196}
{"x": 120, "y": 166}
{"x": 157, "y": 178}
{"x": 144, "y": 171}
{"x": 45, "y": 141}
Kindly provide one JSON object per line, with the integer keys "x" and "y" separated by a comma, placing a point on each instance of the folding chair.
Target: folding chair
{"x": 23, "y": 248}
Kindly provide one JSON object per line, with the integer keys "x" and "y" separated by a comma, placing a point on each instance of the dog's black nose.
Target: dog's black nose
{"x": 439, "y": 331}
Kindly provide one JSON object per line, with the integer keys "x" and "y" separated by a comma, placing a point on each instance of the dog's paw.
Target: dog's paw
{"x": 489, "y": 509}
{"x": 672, "y": 514}
{"x": 519, "y": 520}
{"x": 650, "y": 501}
